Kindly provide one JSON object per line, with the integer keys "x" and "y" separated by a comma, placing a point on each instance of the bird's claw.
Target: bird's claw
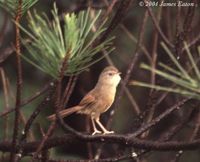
{"x": 96, "y": 132}
{"x": 108, "y": 132}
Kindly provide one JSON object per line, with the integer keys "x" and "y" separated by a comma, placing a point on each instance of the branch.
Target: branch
{"x": 132, "y": 63}
{"x": 57, "y": 105}
{"x": 29, "y": 99}
{"x": 120, "y": 13}
{"x": 33, "y": 116}
{"x": 13, "y": 157}
{"x": 124, "y": 140}
{"x": 112, "y": 159}
{"x": 155, "y": 22}
{"x": 159, "y": 118}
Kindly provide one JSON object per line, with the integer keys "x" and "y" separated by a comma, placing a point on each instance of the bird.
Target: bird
{"x": 96, "y": 101}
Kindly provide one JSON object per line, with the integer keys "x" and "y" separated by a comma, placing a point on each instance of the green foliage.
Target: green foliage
{"x": 12, "y": 5}
{"x": 51, "y": 41}
{"x": 186, "y": 82}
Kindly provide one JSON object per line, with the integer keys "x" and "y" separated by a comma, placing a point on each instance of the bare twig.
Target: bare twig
{"x": 6, "y": 103}
{"x": 31, "y": 120}
{"x": 3, "y": 29}
{"x": 121, "y": 11}
{"x": 41, "y": 144}
{"x": 66, "y": 90}
{"x": 132, "y": 37}
{"x": 69, "y": 89}
{"x": 151, "y": 100}
{"x": 58, "y": 104}
{"x": 191, "y": 43}
{"x": 28, "y": 100}
{"x": 133, "y": 62}
{"x": 168, "y": 21}
{"x": 187, "y": 25}
{"x": 170, "y": 133}
{"x": 158, "y": 118}
{"x": 192, "y": 136}
{"x": 110, "y": 8}
{"x": 13, "y": 157}
{"x": 166, "y": 40}
{"x": 112, "y": 159}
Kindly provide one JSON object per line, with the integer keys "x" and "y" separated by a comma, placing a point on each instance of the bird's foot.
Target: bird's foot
{"x": 96, "y": 132}
{"x": 108, "y": 132}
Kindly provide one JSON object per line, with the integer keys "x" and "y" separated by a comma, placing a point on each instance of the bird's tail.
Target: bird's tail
{"x": 65, "y": 112}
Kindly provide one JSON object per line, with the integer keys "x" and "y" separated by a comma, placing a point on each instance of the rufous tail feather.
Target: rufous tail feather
{"x": 65, "y": 112}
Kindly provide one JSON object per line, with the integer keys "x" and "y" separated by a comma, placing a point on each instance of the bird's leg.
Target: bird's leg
{"x": 94, "y": 127}
{"x": 105, "y": 131}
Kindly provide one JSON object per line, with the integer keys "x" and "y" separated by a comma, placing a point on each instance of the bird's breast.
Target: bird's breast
{"x": 104, "y": 97}
{"x": 107, "y": 98}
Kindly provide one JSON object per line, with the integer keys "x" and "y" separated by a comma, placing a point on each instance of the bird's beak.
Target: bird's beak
{"x": 119, "y": 73}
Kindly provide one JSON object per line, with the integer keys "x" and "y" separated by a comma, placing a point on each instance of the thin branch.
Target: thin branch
{"x": 30, "y": 99}
{"x": 158, "y": 118}
{"x": 170, "y": 133}
{"x": 110, "y": 7}
{"x": 31, "y": 120}
{"x": 69, "y": 89}
{"x": 133, "y": 62}
{"x": 3, "y": 29}
{"x": 6, "y": 103}
{"x": 66, "y": 90}
{"x": 167, "y": 23}
{"x": 151, "y": 100}
{"x": 58, "y": 104}
{"x": 13, "y": 157}
{"x": 112, "y": 159}
{"x": 192, "y": 136}
{"x": 187, "y": 25}
{"x": 192, "y": 42}
{"x": 6, "y": 53}
{"x": 133, "y": 38}
{"x": 175, "y": 129}
{"x": 166, "y": 40}
{"x": 121, "y": 11}
{"x": 42, "y": 143}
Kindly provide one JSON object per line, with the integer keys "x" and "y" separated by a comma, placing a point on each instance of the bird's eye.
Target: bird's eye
{"x": 110, "y": 74}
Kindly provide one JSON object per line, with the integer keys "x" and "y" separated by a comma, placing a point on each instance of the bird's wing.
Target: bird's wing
{"x": 89, "y": 99}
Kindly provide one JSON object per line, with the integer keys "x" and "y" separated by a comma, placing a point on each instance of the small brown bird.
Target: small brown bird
{"x": 98, "y": 100}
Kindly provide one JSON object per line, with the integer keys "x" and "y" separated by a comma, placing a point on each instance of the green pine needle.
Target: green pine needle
{"x": 50, "y": 41}
{"x": 167, "y": 89}
{"x": 12, "y": 5}
{"x": 187, "y": 81}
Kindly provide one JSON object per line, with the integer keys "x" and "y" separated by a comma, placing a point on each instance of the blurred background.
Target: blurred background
{"x": 137, "y": 40}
